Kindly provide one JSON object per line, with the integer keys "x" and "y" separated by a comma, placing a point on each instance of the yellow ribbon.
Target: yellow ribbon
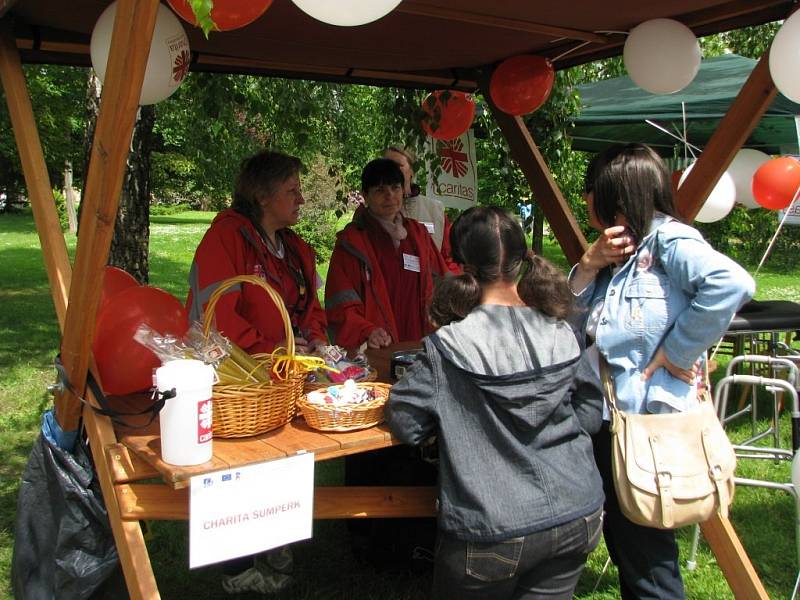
{"x": 284, "y": 366}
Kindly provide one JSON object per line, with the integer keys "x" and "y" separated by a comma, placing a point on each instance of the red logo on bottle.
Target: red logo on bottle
{"x": 204, "y": 422}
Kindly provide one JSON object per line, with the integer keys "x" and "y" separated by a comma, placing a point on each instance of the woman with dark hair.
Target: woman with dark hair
{"x": 381, "y": 273}
{"x": 655, "y": 296}
{"x": 253, "y": 237}
{"x": 502, "y": 385}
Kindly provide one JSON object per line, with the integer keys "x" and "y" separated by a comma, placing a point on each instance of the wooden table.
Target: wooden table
{"x": 136, "y": 459}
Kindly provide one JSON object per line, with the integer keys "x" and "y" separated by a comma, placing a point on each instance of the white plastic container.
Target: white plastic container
{"x": 186, "y": 419}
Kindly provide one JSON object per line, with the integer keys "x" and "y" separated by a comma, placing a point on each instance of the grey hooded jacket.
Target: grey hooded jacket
{"x": 513, "y": 404}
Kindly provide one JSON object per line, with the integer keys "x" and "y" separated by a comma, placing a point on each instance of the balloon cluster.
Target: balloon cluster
{"x": 125, "y": 365}
{"x": 753, "y": 179}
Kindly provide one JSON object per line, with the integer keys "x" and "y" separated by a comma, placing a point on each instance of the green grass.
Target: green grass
{"x": 29, "y": 340}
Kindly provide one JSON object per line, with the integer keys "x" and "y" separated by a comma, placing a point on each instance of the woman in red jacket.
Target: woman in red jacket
{"x": 253, "y": 238}
{"x": 381, "y": 273}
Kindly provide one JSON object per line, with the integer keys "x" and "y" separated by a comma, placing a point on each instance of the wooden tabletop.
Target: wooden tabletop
{"x": 144, "y": 440}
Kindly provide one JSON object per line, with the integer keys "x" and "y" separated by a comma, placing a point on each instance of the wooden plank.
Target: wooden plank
{"x": 125, "y": 466}
{"x": 545, "y": 190}
{"x": 734, "y": 128}
{"x": 363, "y": 437}
{"x": 37, "y": 180}
{"x": 147, "y": 501}
{"x": 732, "y": 559}
{"x": 298, "y": 437}
{"x": 119, "y": 103}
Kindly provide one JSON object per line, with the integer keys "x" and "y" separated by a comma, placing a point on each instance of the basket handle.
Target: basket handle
{"x": 208, "y": 314}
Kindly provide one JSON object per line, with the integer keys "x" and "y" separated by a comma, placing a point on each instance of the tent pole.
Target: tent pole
{"x": 545, "y": 190}
{"x": 34, "y": 168}
{"x": 756, "y": 95}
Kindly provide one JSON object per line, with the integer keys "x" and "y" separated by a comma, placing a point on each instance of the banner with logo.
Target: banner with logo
{"x": 456, "y": 185}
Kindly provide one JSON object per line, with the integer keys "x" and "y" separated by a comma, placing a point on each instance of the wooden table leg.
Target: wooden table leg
{"x": 732, "y": 559}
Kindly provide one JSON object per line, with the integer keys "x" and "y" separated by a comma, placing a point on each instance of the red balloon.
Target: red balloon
{"x": 448, "y": 114}
{"x": 776, "y": 182}
{"x": 226, "y": 14}
{"x": 114, "y": 281}
{"x": 125, "y": 365}
{"x": 521, "y": 84}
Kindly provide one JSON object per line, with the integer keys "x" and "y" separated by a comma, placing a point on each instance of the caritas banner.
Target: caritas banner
{"x": 456, "y": 185}
{"x": 793, "y": 218}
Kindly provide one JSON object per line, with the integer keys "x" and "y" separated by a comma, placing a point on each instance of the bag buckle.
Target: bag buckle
{"x": 664, "y": 479}
{"x": 715, "y": 472}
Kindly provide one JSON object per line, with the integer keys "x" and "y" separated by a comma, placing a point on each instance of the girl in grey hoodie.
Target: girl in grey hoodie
{"x": 502, "y": 385}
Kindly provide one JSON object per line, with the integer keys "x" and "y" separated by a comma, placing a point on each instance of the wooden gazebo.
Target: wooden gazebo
{"x": 423, "y": 44}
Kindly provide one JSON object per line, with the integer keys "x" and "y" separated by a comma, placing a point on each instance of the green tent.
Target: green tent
{"x": 615, "y": 110}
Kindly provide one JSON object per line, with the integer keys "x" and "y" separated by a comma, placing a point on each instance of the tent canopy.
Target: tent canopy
{"x": 421, "y": 43}
{"x": 615, "y": 110}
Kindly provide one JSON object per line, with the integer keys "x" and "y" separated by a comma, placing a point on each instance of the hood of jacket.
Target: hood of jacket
{"x": 515, "y": 355}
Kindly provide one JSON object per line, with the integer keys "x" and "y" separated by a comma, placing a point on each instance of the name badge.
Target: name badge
{"x": 411, "y": 262}
{"x": 430, "y": 227}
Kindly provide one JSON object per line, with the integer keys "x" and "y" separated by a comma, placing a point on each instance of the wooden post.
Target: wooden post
{"x": 733, "y": 560}
{"x": 545, "y": 190}
{"x": 130, "y": 44}
{"x": 40, "y": 192}
{"x": 753, "y": 100}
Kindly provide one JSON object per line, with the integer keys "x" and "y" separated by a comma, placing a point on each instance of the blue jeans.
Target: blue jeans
{"x": 545, "y": 564}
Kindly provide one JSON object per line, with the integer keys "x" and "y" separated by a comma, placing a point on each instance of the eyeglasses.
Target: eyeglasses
{"x": 387, "y": 187}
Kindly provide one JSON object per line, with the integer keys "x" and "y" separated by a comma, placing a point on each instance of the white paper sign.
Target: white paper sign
{"x": 411, "y": 262}
{"x": 794, "y": 214}
{"x": 250, "y": 509}
{"x": 456, "y": 185}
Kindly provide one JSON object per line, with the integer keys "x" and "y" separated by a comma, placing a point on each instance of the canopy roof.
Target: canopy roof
{"x": 422, "y": 43}
{"x": 615, "y": 110}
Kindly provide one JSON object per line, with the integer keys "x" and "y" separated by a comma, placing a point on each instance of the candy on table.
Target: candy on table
{"x": 347, "y": 393}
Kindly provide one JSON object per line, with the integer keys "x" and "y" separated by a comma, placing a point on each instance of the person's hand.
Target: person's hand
{"x": 614, "y": 245}
{"x": 301, "y": 345}
{"x": 316, "y": 343}
{"x": 660, "y": 360}
{"x": 379, "y": 338}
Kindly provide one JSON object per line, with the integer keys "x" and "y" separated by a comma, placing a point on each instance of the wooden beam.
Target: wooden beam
{"x": 453, "y": 14}
{"x": 545, "y": 190}
{"x": 34, "y": 168}
{"x": 733, "y": 560}
{"x": 119, "y": 103}
{"x": 753, "y": 100}
{"x": 156, "y": 502}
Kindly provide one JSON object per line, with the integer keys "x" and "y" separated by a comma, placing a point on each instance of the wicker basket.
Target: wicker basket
{"x": 372, "y": 375}
{"x": 242, "y": 410}
{"x": 327, "y": 417}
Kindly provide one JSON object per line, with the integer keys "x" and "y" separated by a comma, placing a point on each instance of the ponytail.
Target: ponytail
{"x": 544, "y": 287}
{"x": 454, "y": 298}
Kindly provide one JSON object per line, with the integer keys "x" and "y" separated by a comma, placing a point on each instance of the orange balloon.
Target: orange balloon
{"x": 521, "y": 84}
{"x": 226, "y": 14}
{"x": 448, "y": 114}
{"x": 776, "y": 182}
{"x": 125, "y": 365}
{"x": 114, "y": 281}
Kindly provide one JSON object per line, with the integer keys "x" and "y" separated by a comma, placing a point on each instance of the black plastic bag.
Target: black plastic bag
{"x": 63, "y": 544}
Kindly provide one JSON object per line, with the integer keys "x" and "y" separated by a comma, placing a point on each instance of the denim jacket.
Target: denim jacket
{"x": 512, "y": 404}
{"x": 676, "y": 292}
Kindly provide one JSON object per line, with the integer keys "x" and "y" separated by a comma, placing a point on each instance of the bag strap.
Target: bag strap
{"x": 158, "y": 398}
{"x": 715, "y": 474}
{"x": 608, "y": 386}
{"x": 663, "y": 481}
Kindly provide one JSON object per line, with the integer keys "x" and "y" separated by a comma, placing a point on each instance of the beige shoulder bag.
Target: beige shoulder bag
{"x": 669, "y": 470}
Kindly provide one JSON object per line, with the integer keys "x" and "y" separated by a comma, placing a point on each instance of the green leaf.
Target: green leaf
{"x": 202, "y": 13}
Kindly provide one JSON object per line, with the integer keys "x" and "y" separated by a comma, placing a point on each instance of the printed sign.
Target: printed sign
{"x": 250, "y": 509}
{"x": 456, "y": 186}
{"x": 793, "y": 218}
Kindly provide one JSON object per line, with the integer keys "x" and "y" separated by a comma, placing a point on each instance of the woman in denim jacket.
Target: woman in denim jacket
{"x": 656, "y": 296}
{"x": 502, "y": 385}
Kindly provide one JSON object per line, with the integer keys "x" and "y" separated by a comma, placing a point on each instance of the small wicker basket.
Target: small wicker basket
{"x": 348, "y": 417}
{"x": 242, "y": 410}
{"x": 310, "y": 386}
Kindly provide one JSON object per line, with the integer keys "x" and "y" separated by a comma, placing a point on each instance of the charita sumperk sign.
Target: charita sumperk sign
{"x": 250, "y": 509}
{"x": 456, "y": 185}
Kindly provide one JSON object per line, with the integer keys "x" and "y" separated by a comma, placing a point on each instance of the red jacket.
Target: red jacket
{"x": 248, "y": 317}
{"x": 356, "y": 298}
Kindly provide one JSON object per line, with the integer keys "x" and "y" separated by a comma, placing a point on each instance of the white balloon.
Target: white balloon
{"x": 742, "y": 168}
{"x": 662, "y": 56}
{"x": 784, "y": 58}
{"x": 719, "y": 202}
{"x": 169, "y": 58}
{"x": 347, "y": 12}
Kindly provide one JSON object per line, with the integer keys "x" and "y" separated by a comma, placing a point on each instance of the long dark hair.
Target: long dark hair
{"x": 490, "y": 246}
{"x": 630, "y": 180}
